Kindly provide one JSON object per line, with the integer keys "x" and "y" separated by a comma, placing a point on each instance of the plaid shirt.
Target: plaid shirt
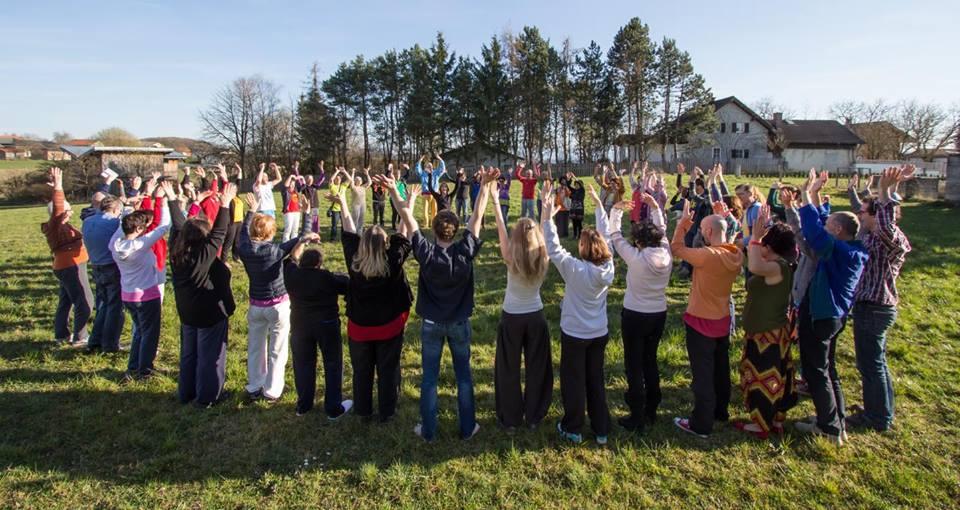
{"x": 888, "y": 247}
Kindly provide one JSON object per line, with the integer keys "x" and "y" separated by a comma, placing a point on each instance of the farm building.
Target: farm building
{"x": 128, "y": 160}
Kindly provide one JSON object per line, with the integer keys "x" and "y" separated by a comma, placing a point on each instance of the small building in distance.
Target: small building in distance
{"x": 474, "y": 154}
{"x": 12, "y": 148}
{"x": 127, "y": 160}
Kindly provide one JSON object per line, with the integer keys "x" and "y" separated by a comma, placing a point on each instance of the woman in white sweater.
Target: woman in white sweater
{"x": 644, "y": 312}
{"x": 583, "y": 321}
{"x": 523, "y": 328}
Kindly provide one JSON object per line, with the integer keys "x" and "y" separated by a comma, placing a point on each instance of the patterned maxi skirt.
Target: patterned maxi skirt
{"x": 766, "y": 376}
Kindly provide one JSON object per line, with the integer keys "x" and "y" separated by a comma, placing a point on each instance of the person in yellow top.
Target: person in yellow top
{"x": 236, "y": 218}
{"x": 337, "y": 186}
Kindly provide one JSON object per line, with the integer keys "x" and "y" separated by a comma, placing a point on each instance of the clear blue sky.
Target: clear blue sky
{"x": 149, "y": 66}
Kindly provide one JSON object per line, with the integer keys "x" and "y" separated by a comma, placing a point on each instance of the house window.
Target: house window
{"x": 716, "y": 153}
{"x": 736, "y": 153}
{"x": 723, "y": 127}
{"x": 734, "y": 127}
{"x": 746, "y": 153}
{"x": 746, "y": 127}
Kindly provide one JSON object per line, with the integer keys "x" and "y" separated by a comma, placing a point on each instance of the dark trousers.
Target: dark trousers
{"x": 462, "y": 210}
{"x": 146, "y": 335}
{"x": 710, "y": 371}
{"x": 334, "y": 220}
{"x": 378, "y": 209}
{"x": 577, "y": 221}
{"x": 108, "y": 323}
{"x": 870, "y": 325}
{"x": 230, "y": 242}
{"x": 818, "y": 356}
{"x": 380, "y": 358}
{"x": 562, "y": 220}
{"x": 526, "y": 335}
{"x": 306, "y": 336}
{"x": 203, "y": 361}
{"x": 641, "y": 338}
{"x": 582, "y": 381}
{"x": 72, "y": 295}
{"x": 394, "y": 216}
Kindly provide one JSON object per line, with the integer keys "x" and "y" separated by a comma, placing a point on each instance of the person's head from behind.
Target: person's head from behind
{"x": 843, "y": 225}
{"x": 192, "y": 237}
{"x": 311, "y": 259}
{"x": 645, "y": 234}
{"x": 136, "y": 223}
{"x": 734, "y": 206}
{"x": 593, "y": 247}
{"x": 714, "y": 229}
{"x": 371, "y": 257}
{"x": 779, "y": 242}
{"x": 67, "y": 210}
{"x": 263, "y": 227}
{"x": 111, "y": 205}
{"x": 748, "y": 194}
{"x": 96, "y": 199}
{"x": 528, "y": 251}
{"x": 445, "y": 226}
{"x": 264, "y": 178}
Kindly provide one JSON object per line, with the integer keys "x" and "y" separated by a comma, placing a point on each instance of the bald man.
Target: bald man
{"x": 707, "y": 319}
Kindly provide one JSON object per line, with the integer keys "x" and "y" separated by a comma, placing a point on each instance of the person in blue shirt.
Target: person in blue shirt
{"x": 430, "y": 179}
{"x": 97, "y": 230}
{"x": 841, "y": 259}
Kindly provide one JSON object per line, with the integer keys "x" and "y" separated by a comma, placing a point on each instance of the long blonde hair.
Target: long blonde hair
{"x": 371, "y": 257}
{"x": 528, "y": 252}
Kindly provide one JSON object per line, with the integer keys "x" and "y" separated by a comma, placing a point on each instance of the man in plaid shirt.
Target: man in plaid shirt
{"x": 875, "y": 307}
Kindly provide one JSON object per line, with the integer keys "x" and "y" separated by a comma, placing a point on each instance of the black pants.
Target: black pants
{"x": 582, "y": 379}
{"x": 577, "y": 220}
{"x": 563, "y": 222}
{"x": 378, "y": 208}
{"x": 383, "y": 358}
{"x": 306, "y": 335}
{"x": 818, "y": 362}
{"x": 394, "y": 216}
{"x": 203, "y": 361}
{"x": 641, "y": 338}
{"x": 528, "y": 335}
{"x": 230, "y": 242}
{"x": 710, "y": 369}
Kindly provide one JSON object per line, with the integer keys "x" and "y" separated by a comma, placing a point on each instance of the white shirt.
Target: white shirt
{"x": 140, "y": 280}
{"x": 648, "y": 269}
{"x": 583, "y": 313}
{"x": 521, "y": 296}
{"x": 265, "y": 197}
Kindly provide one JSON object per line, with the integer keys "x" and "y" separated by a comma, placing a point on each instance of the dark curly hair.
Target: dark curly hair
{"x": 781, "y": 240}
{"x": 645, "y": 234}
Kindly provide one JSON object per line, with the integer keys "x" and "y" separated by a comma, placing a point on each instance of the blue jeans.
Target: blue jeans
{"x": 505, "y": 210}
{"x": 462, "y": 210}
{"x": 527, "y": 208}
{"x": 334, "y": 219}
{"x": 108, "y": 323}
{"x": 432, "y": 335}
{"x": 870, "y": 325}
{"x": 203, "y": 361}
{"x": 72, "y": 295}
{"x": 146, "y": 335}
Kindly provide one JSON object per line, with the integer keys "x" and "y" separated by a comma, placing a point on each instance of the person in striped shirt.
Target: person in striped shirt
{"x": 875, "y": 306}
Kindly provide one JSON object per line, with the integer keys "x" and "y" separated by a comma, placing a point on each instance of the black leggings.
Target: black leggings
{"x": 641, "y": 338}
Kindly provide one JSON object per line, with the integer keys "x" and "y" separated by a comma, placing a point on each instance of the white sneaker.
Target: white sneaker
{"x": 476, "y": 428}
{"x": 602, "y": 440}
{"x": 79, "y": 343}
{"x": 418, "y": 430}
{"x": 347, "y": 406}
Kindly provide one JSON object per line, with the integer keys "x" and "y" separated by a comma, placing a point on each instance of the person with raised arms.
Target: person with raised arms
{"x": 263, "y": 189}
{"x": 429, "y": 180}
{"x": 583, "y": 321}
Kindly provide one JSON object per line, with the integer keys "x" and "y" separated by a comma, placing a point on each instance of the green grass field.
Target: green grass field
{"x": 71, "y": 435}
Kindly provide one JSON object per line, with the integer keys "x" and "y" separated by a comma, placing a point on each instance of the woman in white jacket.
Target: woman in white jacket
{"x": 644, "y": 312}
{"x": 583, "y": 321}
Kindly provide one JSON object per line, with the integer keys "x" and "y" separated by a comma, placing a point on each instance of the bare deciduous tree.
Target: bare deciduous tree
{"x": 230, "y": 118}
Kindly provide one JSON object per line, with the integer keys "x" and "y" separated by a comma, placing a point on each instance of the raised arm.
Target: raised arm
{"x": 348, "y": 224}
{"x": 277, "y": 178}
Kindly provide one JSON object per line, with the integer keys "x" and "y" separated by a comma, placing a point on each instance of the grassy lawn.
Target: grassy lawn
{"x": 71, "y": 435}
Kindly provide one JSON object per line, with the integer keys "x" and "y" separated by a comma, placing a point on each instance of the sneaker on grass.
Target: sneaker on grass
{"x": 812, "y": 428}
{"x": 684, "y": 425}
{"x": 347, "y": 406}
{"x": 476, "y": 428}
{"x": 569, "y": 436}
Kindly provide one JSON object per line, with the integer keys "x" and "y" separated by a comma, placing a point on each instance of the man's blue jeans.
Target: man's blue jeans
{"x": 870, "y": 325}
{"x": 527, "y": 208}
{"x": 146, "y": 335}
{"x": 432, "y": 336}
{"x": 108, "y": 323}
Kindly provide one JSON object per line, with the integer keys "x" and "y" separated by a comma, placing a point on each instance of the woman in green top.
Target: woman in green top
{"x": 766, "y": 368}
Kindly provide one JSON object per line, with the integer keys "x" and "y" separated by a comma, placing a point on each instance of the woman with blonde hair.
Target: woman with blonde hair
{"x": 378, "y": 305}
{"x": 523, "y": 326}
{"x": 583, "y": 321}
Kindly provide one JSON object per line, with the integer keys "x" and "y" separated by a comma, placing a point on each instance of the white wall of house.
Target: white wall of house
{"x": 824, "y": 159}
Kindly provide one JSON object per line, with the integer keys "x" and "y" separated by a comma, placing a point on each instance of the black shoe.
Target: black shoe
{"x": 130, "y": 376}
{"x": 92, "y": 349}
{"x": 252, "y": 397}
{"x": 300, "y": 411}
{"x": 630, "y": 423}
{"x": 224, "y": 395}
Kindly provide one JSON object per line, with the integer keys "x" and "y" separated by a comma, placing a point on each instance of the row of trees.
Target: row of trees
{"x": 522, "y": 95}
{"x": 894, "y": 130}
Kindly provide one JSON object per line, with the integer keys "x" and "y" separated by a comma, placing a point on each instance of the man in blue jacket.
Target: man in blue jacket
{"x": 840, "y": 262}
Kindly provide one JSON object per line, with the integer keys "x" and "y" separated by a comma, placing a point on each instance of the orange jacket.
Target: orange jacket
{"x": 714, "y": 270}
{"x": 65, "y": 241}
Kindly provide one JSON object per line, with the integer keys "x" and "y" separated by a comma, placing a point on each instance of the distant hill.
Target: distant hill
{"x": 199, "y": 147}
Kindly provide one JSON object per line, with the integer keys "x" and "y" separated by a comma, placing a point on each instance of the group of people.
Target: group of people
{"x": 808, "y": 270}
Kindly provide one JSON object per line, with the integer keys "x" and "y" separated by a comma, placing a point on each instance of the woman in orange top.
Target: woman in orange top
{"x": 69, "y": 266}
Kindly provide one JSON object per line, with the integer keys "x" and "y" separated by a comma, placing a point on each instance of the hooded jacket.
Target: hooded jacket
{"x": 715, "y": 269}
{"x": 583, "y": 313}
{"x": 648, "y": 269}
{"x": 65, "y": 241}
